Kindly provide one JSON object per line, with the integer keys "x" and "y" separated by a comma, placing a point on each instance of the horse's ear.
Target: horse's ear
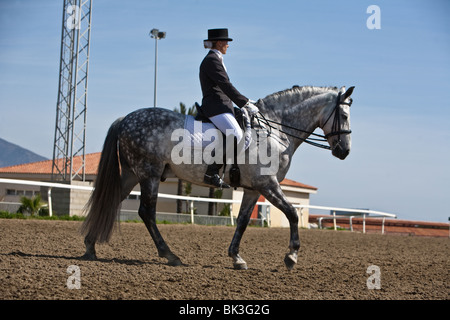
{"x": 347, "y": 93}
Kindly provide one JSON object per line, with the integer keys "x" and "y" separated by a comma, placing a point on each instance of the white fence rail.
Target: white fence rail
{"x": 265, "y": 205}
{"x": 350, "y": 213}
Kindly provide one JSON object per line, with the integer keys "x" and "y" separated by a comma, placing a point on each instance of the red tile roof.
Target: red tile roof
{"x": 92, "y": 160}
{"x": 292, "y": 183}
{"x": 45, "y": 167}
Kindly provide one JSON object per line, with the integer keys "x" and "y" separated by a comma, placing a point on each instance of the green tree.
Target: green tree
{"x": 211, "y": 205}
{"x": 226, "y": 211}
{"x": 216, "y": 194}
{"x": 191, "y": 111}
{"x": 187, "y": 191}
{"x": 31, "y": 205}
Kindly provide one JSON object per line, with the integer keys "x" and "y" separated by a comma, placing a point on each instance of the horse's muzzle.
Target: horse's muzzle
{"x": 340, "y": 152}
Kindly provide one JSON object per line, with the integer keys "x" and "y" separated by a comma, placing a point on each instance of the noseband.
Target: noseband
{"x": 260, "y": 119}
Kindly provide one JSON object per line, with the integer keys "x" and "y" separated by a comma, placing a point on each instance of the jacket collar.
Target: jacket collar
{"x": 218, "y": 53}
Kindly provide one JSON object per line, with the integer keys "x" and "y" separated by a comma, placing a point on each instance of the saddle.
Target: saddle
{"x": 244, "y": 122}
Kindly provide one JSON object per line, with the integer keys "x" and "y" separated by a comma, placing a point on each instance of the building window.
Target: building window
{"x": 27, "y": 193}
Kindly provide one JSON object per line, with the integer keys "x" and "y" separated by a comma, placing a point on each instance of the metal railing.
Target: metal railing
{"x": 350, "y": 213}
{"x": 266, "y": 206}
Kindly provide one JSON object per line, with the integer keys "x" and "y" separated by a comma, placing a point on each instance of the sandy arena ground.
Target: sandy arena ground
{"x": 35, "y": 256}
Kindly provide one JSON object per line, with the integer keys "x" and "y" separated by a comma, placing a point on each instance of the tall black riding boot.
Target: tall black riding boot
{"x": 212, "y": 177}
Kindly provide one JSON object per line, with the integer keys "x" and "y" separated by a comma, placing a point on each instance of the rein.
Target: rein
{"x": 312, "y": 141}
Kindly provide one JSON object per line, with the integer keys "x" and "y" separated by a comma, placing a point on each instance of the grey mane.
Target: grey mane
{"x": 297, "y": 92}
{"x": 274, "y": 103}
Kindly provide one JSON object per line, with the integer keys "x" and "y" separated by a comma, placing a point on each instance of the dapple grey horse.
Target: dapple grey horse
{"x": 138, "y": 150}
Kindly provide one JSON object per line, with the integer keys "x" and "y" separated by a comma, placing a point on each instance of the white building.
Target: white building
{"x": 65, "y": 201}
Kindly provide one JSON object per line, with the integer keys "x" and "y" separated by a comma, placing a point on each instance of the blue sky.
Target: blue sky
{"x": 400, "y": 154}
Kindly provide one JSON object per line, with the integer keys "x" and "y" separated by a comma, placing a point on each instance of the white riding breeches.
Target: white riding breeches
{"x": 226, "y": 122}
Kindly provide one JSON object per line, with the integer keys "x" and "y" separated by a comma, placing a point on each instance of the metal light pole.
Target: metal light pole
{"x": 155, "y": 33}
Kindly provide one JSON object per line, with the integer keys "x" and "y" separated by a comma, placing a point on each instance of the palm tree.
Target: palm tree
{"x": 32, "y": 205}
{"x": 187, "y": 190}
{"x": 191, "y": 111}
{"x": 216, "y": 194}
{"x": 211, "y": 205}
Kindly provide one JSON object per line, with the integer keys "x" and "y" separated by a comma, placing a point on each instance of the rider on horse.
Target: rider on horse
{"x": 219, "y": 95}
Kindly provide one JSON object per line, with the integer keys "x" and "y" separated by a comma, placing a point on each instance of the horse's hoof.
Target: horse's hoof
{"x": 240, "y": 266}
{"x": 174, "y": 262}
{"x": 290, "y": 261}
{"x": 88, "y": 257}
{"x": 238, "y": 262}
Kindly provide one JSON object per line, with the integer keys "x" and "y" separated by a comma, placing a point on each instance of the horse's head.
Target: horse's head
{"x": 336, "y": 123}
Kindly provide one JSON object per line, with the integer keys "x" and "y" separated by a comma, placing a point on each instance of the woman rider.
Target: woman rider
{"x": 219, "y": 95}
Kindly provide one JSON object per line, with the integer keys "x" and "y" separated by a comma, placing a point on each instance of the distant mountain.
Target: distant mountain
{"x": 11, "y": 154}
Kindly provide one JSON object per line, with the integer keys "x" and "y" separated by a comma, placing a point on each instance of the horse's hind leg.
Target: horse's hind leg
{"x": 147, "y": 212}
{"x": 128, "y": 182}
{"x": 90, "y": 250}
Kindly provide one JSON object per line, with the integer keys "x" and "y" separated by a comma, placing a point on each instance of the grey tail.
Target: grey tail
{"x": 104, "y": 203}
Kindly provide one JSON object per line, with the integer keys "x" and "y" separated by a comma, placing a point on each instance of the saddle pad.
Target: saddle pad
{"x": 194, "y": 133}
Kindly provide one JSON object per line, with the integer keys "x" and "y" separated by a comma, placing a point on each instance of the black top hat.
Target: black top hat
{"x": 218, "y": 34}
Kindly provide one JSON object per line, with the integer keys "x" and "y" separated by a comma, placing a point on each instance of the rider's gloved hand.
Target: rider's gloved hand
{"x": 251, "y": 108}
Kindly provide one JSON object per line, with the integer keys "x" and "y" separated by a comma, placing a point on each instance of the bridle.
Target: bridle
{"x": 335, "y": 128}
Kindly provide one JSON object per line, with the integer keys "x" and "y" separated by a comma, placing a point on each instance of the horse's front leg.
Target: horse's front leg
{"x": 248, "y": 203}
{"x": 275, "y": 195}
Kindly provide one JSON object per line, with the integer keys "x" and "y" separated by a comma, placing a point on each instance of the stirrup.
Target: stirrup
{"x": 216, "y": 181}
